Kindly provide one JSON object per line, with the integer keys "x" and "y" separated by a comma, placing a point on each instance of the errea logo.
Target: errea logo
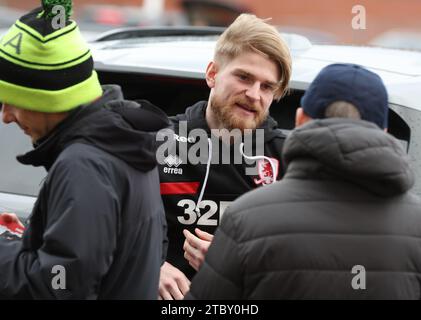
{"x": 173, "y": 162}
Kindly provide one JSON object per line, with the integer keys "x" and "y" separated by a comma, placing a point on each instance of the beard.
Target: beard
{"x": 225, "y": 113}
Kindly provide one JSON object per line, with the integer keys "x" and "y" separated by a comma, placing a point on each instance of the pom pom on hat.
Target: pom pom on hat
{"x": 48, "y": 5}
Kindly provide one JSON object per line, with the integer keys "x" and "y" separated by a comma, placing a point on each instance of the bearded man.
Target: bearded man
{"x": 251, "y": 68}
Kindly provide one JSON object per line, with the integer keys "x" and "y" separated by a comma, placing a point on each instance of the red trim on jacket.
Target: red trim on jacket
{"x": 169, "y": 188}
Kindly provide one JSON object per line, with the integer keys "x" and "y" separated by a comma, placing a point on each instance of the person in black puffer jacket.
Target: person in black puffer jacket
{"x": 342, "y": 224}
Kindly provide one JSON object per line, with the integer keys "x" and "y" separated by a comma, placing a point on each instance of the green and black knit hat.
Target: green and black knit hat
{"x": 46, "y": 69}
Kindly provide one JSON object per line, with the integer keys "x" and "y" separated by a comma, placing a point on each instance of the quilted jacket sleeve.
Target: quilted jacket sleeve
{"x": 220, "y": 276}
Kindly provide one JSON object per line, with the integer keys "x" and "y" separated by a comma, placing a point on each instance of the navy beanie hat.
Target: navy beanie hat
{"x": 351, "y": 83}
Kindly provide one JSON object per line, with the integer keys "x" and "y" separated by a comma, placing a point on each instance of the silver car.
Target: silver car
{"x": 167, "y": 66}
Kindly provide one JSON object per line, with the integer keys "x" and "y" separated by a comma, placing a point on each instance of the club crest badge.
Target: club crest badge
{"x": 265, "y": 170}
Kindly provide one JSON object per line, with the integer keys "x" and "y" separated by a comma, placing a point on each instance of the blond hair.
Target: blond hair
{"x": 249, "y": 33}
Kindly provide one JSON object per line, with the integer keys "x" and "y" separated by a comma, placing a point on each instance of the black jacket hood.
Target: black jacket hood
{"x": 125, "y": 129}
{"x": 195, "y": 116}
{"x": 353, "y": 150}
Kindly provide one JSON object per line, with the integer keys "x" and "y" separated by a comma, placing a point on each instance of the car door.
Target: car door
{"x": 19, "y": 184}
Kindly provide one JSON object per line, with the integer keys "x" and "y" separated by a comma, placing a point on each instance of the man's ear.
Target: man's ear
{"x": 211, "y": 72}
{"x": 301, "y": 117}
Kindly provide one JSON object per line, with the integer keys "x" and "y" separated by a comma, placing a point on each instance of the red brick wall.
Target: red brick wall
{"x": 336, "y": 15}
{"x": 27, "y": 4}
{"x": 327, "y": 15}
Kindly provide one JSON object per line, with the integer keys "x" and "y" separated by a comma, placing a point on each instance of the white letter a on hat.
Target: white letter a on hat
{"x": 15, "y": 42}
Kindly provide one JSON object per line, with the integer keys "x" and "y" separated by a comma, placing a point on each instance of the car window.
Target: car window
{"x": 15, "y": 177}
{"x": 173, "y": 95}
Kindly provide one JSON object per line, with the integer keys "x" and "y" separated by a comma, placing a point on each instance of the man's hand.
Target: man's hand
{"x": 12, "y": 223}
{"x": 173, "y": 284}
{"x": 195, "y": 248}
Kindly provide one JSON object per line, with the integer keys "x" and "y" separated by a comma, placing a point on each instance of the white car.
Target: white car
{"x": 167, "y": 66}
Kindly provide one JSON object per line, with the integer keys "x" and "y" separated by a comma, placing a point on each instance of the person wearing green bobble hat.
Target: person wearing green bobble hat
{"x": 97, "y": 228}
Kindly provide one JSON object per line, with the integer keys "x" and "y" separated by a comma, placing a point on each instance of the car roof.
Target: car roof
{"x": 400, "y": 70}
{"x": 187, "y": 55}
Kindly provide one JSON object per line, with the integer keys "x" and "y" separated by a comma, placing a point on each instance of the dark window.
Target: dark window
{"x": 174, "y": 95}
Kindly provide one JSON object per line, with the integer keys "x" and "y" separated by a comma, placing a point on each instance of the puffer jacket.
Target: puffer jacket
{"x": 342, "y": 224}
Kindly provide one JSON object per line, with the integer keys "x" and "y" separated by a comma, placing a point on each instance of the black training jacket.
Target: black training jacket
{"x": 182, "y": 181}
{"x": 99, "y": 215}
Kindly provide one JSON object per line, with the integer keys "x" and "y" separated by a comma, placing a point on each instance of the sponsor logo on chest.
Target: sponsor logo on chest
{"x": 172, "y": 165}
